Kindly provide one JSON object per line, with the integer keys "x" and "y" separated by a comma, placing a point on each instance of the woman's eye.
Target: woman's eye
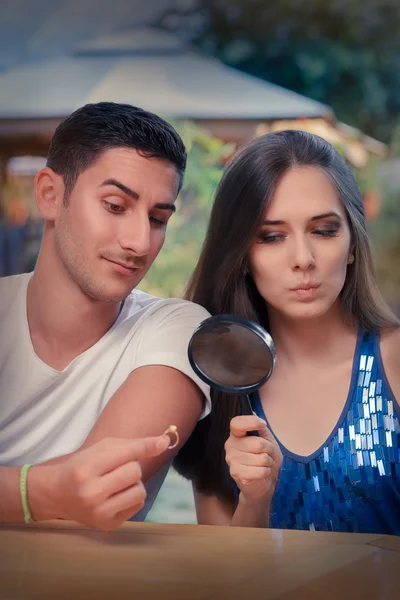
{"x": 113, "y": 208}
{"x": 269, "y": 238}
{"x": 326, "y": 232}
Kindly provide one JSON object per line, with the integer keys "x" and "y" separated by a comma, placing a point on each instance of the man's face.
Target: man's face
{"x": 114, "y": 223}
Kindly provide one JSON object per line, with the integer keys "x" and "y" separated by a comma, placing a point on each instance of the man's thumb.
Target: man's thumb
{"x": 150, "y": 446}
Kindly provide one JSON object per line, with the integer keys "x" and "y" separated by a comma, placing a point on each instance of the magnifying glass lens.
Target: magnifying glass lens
{"x": 232, "y": 355}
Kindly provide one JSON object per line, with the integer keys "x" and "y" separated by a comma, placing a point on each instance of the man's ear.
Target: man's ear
{"x": 49, "y": 193}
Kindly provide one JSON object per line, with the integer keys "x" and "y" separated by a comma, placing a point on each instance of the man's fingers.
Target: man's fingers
{"x": 120, "y": 478}
{"x": 120, "y": 507}
{"x": 130, "y": 500}
{"x": 151, "y": 446}
{"x": 111, "y": 453}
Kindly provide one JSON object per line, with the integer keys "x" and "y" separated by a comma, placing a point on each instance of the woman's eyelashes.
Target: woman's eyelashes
{"x": 328, "y": 230}
{"x": 269, "y": 237}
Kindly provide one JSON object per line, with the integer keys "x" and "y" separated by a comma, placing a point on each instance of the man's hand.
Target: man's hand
{"x": 99, "y": 486}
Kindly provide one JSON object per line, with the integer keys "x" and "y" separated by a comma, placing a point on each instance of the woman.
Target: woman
{"x": 287, "y": 247}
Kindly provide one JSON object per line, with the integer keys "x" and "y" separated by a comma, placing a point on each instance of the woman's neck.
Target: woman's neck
{"x": 320, "y": 339}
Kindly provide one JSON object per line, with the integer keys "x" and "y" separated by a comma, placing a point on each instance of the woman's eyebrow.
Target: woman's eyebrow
{"x": 315, "y": 218}
{"x": 326, "y": 215}
{"x": 274, "y": 223}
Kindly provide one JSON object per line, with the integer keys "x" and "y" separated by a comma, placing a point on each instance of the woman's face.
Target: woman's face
{"x": 299, "y": 258}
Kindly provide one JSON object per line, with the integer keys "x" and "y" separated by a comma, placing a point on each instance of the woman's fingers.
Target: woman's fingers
{"x": 253, "y": 444}
{"x": 245, "y": 474}
{"x": 244, "y": 423}
{"x": 250, "y": 459}
{"x": 254, "y": 461}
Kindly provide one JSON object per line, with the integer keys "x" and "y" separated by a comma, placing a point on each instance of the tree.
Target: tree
{"x": 386, "y": 247}
{"x": 186, "y": 230}
{"x": 344, "y": 53}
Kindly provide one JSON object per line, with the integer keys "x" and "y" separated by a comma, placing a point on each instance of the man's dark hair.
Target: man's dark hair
{"x": 80, "y": 139}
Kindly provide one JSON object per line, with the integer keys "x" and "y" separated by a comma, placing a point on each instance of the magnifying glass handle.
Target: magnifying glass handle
{"x": 247, "y": 409}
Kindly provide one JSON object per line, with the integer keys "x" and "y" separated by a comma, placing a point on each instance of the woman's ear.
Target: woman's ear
{"x": 351, "y": 255}
{"x": 49, "y": 193}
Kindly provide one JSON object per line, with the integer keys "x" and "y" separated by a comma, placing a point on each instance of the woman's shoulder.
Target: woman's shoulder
{"x": 390, "y": 352}
{"x": 390, "y": 342}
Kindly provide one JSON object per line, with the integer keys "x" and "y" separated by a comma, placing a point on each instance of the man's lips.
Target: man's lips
{"x": 126, "y": 267}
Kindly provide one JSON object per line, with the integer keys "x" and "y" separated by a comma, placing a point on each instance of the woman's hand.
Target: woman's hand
{"x": 254, "y": 462}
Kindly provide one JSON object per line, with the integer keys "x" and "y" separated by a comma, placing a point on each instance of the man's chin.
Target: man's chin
{"x": 112, "y": 294}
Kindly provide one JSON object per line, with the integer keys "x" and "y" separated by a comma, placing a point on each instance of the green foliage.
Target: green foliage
{"x": 386, "y": 247}
{"x": 344, "y": 53}
{"x": 186, "y": 229}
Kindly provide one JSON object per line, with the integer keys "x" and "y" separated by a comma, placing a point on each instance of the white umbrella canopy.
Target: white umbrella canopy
{"x": 33, "y": 30}
{"x": 148, "y": 68}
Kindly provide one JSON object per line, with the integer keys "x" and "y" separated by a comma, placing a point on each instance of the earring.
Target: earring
{"x": 350, "y": 260}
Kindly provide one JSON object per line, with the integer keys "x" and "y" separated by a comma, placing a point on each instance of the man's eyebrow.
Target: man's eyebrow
{"x": 126, "y": 190}
{"x": 166, "y": 206}
{"x": 122, "y": 187}
{"x": 316, "y": 218}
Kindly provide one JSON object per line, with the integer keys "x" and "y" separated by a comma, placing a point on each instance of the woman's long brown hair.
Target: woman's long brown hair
{"x": 222, "y": 284}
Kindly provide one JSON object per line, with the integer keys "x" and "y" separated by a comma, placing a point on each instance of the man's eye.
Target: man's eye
{"x": 157, "y": 222}
{"x": 113, "y": 208}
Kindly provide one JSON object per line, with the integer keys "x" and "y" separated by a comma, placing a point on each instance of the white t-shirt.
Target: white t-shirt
{"x": 46, "y": 413}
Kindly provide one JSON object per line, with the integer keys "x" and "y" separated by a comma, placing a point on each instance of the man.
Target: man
{"x": 86, "y": 366}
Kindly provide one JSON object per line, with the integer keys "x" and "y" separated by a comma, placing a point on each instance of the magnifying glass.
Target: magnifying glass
{"x": 233, "y": 355}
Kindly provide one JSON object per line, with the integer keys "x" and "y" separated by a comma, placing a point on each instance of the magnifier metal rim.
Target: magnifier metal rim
{"x": 230, "y": 319}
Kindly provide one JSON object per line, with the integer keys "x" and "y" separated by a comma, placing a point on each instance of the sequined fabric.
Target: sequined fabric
{"x": 352, "y": 483}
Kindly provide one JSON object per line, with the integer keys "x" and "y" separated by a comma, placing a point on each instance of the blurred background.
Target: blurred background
{"x": 222, "y": 71}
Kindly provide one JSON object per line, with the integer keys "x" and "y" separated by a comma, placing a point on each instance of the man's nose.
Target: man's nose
{"x": 135, "y": 236}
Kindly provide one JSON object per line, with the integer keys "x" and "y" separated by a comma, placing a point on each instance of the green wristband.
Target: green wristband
{"x": 24, "y": 493}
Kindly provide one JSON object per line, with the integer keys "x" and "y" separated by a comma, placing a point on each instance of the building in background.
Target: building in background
{"x": 57, "y": 56}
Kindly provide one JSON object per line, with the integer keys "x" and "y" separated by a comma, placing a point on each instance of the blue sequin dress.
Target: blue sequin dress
{"x": 351, "y": 483}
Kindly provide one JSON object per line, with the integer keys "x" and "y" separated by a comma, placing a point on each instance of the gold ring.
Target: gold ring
{"x": 174, "y": 430}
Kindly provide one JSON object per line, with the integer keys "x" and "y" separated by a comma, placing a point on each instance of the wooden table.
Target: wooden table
{"x": 59, "y": 560}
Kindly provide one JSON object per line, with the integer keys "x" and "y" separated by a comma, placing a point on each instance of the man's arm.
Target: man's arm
{"x": 100, "y": 486}
{"x": 151, "y": 399}
{"x": 10, "y": 503}
{"x": 162, "y": 389}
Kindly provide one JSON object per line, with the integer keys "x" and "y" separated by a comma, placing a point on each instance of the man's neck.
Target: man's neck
{"x": 63, "y": 321}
